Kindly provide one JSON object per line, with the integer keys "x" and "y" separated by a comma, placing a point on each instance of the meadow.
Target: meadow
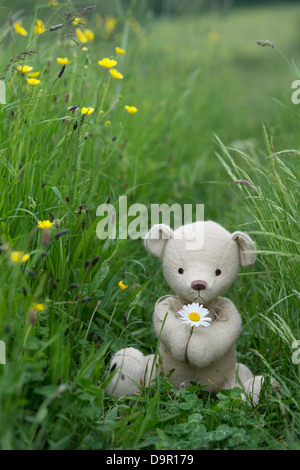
{"x": 210, "y": 121}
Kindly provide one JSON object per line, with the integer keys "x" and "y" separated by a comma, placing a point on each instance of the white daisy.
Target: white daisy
{"x": 194, "y": 315}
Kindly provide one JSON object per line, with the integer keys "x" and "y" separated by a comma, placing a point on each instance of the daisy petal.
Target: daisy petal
{"x": 194, "y": 315}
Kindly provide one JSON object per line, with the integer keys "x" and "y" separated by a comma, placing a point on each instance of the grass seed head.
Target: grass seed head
{"x": 85, "y": 300}
{"x": 61, "y": 71}
{"x": 74, "y": 285}
{"x": 265, "y": 43}
{"x": 62, "y": 233}
{"x": 56, "y": 27}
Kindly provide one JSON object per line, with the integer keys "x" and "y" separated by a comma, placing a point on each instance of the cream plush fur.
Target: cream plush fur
{"x": 207, "y": 253}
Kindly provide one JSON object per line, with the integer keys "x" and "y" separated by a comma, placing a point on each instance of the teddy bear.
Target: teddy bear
{"x": 197, "y": 328}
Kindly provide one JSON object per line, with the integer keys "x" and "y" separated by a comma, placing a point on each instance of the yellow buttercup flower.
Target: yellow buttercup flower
{"x": 84, "y": 49}
{"x": 33, "y": 81}
{"x": 120, "y": 51}
{"x": 84, "y": 36}
{"x": 43, "y": 224}
{"x": 87, "y": 111}
{"x": 63, "y": 60}
{"x": 114, "y": 73}
{"x": 33, "y": 74}
{"x": 53, "y": 3}
{"x": 81, "y": 36}
{"x": 39, "y": 27}
{"x": 89, "y": 34}
{"x": 38, "y": 307}
{"x": 122, "y": 285}
{"x": 131, "y": 109}
{"x": 110, "y": 24}
{"x": 24, "y": 68}
{"x": 107, "y": 63}
{"x": 19, "y": 256}
{"x": 213, "y": 36}
{"x": 19, "y": 29}
{"x": 78, "y": 21}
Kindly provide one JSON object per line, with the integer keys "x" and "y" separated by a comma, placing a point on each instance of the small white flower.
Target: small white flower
{"x": 195, "y": 315}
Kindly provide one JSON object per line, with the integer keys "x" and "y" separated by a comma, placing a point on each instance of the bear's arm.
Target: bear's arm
{"x": 174, "y": 334}
{"x": 213, "y": 342}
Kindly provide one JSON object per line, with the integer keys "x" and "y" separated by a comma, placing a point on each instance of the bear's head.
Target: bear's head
{"x": 200, "y": 260}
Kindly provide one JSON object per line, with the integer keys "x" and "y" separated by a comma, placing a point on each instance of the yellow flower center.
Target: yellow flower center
{"x": 194, "y": 316}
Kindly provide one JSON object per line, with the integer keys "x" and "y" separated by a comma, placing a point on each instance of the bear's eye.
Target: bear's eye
{"x": 180, "y": 270}
{"x": 218, "y": 272}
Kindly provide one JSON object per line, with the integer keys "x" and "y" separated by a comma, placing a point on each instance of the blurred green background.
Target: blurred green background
{"x": 159, "y": 7}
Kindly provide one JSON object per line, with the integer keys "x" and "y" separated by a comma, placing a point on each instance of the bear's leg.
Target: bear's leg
{"x": 252, "y": 388}
{"x": 133, "y": 370}
{"x": 251, "y": 384}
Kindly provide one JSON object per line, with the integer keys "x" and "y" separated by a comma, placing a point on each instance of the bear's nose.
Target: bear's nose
{"x": 199, "y": 285}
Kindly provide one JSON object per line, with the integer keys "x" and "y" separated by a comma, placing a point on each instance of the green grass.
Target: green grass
{"x": 210, "y": 113}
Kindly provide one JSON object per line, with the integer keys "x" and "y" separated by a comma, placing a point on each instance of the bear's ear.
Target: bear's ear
{"x": 156, "y": 239}
{"x": 247, "y": 248}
